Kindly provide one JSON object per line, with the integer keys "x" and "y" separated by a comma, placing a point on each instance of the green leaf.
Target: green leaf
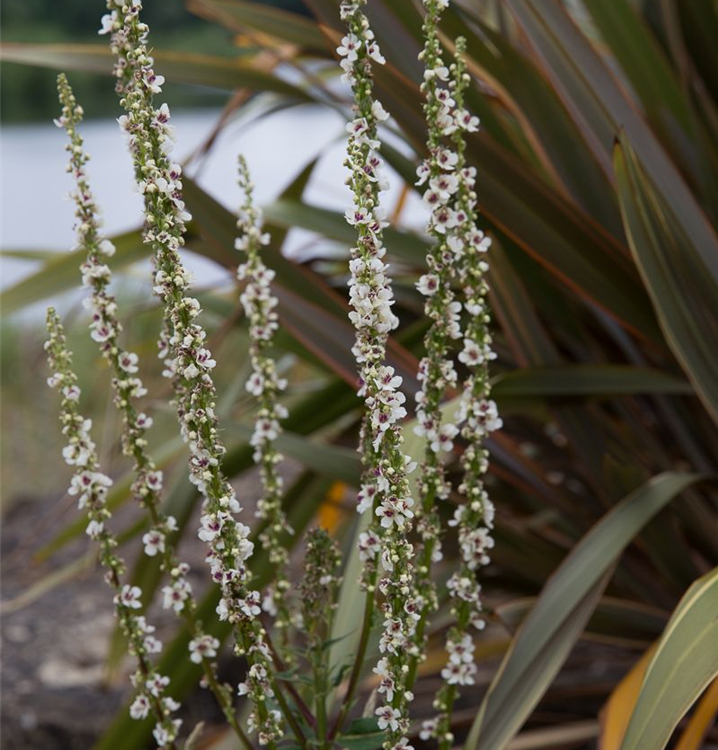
{"x": 587, "y": 380}
{"x": 363, "y": 734}
{"x": 682, "y": 286}
{"x": 621, "y": 621}
{"x": 555, "y": 138}
{"x": 364, "y": 725}
{"x": 62, "y": 272}
{"x": 30, "y": 255}
{"x": 518, "y": 202}
{"x": 218, "y": 228}
{"x": 685, "y": 662}
{"x": 325, "y": 459}
{"x": 563, "y": 608}
{"x": 288, "y": 213}
{"x": 178, "y": 67}
{"x": 602, "y": 108}
{"x": 238, "y": 15}
{"x": 643, "y": 61}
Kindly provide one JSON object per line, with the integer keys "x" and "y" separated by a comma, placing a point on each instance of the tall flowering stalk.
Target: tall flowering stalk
{"x": 478, "y": 414}
{"x": 189, "y": 363}
{"x": 385, "y": 488}
{"x": 437, "y": 373}
{"x": 265, "y": 385}
{"x": 106, "y": 329}
{"x": 319, "y": 590}
{"x": 91, "y": 487}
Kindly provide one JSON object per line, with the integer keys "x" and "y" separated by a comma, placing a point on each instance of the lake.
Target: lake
{"x": 37, "y": 214}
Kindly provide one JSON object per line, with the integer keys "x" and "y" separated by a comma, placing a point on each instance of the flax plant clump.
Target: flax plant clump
{"x": 283, "y": 635}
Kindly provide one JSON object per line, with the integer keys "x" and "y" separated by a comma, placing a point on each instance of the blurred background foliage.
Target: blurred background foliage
{"x": 28, "y": 94}
{"x": 598, "y": 164}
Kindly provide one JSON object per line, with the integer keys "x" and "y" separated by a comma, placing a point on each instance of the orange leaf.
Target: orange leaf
{"x": 616, "y": 714}
{"x": 701, "y": 720}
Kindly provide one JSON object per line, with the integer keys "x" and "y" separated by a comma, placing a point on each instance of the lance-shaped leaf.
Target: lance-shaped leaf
{"x": 685, "y": 662}
{"x": 683, "y": 288}
{"x": 179, "y": 67}
{"x": 61, "y": 272}
{"x": 586, "y": 381}
{"x": 238, "y": 15}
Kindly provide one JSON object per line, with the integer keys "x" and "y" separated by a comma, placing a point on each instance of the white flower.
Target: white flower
{"x": 447, "y": 158}
{"x": 204, "y": 359}
{"x": 255, "y": 384}
{"x": 459, "y": 674}
{"x": 204, "y": 647}
{"x": 379, "y": 112}
{"x": 422, "y": 172}
{"x": 156, "y": 684}
{"x": 444, "y": 218}
{"x": 349, "y": 46}
{"x": 94, "y": 529}
{"x": 140, "y": 707}
{"x": 143, "y": 422}
{"x": 388, "y": 718}
{"x": 128, "y": 361}
{"x": 356, "y": 216}
{"x": 386, "y": 684}
{"x": 130, "y": 596}
{"x": 428, "y": 284}
{"x": 369, "y": 545}
{"x": 153, "y": 480}
{"x": 154, "y": 542}
{"x": 106, "y": 248}
{"x": 472, "y": 353}
{"x": 71, "y": 393}
{"x": 394, "y": 511}
{"x": 250, "y": 605}
{"x": 428, "y": 729}
{"x": 365, "y": 498}
{"x": 211, "y": 526}
{"x": 191, "y": 371}
{"x": 466, "y": 120}
{"x": 445, "y": 437}
{"x": 163, "y": 735}
{"x": 108, "y": 23}
{"x": 174, "y": 596}
{"x": 152, "y": 645}
{"x": 374, "y": 52}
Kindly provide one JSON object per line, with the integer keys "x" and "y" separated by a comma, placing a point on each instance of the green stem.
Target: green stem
{"x": 358, "y": 660}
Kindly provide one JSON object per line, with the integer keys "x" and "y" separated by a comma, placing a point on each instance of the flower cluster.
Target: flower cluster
{"x": 318, "y": 592}
{"x": 127, "y": 386}
{"x": 437, "y": 373}
{"x": 385, "y": 490}
{"x": 91, "y": 486}
{"x": 265, "y": 385}
{"x": 477, "y": 414}
{"x": 183, "y": 346}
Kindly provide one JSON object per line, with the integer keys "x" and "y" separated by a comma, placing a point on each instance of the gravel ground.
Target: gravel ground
{"x": 56, "y": 694}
